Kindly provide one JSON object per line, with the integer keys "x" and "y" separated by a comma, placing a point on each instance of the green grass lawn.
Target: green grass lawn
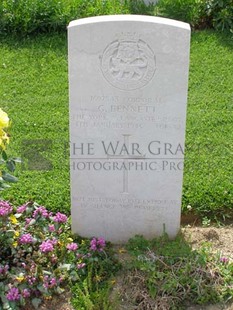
{"x": 34, "y": 92}
{"x": 208, "y": 175}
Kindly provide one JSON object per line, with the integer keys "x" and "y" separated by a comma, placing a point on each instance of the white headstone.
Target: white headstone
{"x": 147, "y": 2}
{"x": 128, "y": 78}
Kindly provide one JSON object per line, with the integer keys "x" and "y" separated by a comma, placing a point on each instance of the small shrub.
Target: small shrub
{"x": 140, "y": 8}
{"x": 30, "y": 16}
{"x": 190, "y": 11}
{"x": 199, "y": 13}
{"x": 220, "y": 12}
{"x": 38, "y": 255}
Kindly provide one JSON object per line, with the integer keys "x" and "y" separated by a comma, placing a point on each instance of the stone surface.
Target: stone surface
{"x": 128, "y": 78}
{"x": 147, "y": 2}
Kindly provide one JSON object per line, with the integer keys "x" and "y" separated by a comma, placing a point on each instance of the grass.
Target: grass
{"x": 34, "y": 92}
{"x": 167, "y": 274}
{"x": 36, "y": 16}
{"x": 157, "y": 274}
{"x": 208, "y": 174}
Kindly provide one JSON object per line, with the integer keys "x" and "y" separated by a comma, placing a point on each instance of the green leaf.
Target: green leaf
{"x": 17, "y": 160}
{"x": 6, "y": 305}
{"x": 8, "y": 177}
{"x": 18, "y": 215}
{"x": 41, "y": 288}
{"x": 4, "y": 155}
{"x": 66, "y": 266}
{"x": 32, "y": 222}
{"x": 36, "y": 302}
{"x": 4, "y": 185}
{"x": 10, "y": 165}
{"x": 2, "y": 286}
{"x": 60, "y": 290}
{"x": 11, "y": 231}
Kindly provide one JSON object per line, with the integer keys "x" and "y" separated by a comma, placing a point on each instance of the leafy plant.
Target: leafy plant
{"x": 9, "y": 163}
{"x": 190, "y": 11}
{"x": 199, "y": 13}
{"x": 220, "y": 12}
{"x": 38, "y": 255}
{"x": 33, "y": 16}
{"x": 93, "y": 293}
{"x": 169, "y": 273}
{"x": 139, "y": 7}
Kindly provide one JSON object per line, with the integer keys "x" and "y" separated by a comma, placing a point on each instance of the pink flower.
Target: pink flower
{"x": 80, "y": 266}
{"x": 53, "y": 282}
{"x": 4, "y": 269}
{"x": 72, "y": 246}
{"x": 26, "y": 293}
{"x": 60, "y": 218}
{"x": 46, "y": 246}
{"x": 54, "y": 258}
{"x": 54, "y": 241}
{"x": 41, "y": 211}
{"x": 51, "y": 228}
{"x": 5, "y": 208}
{"x": 101, "y": 242}
{"x": 22, "y": 208}
{"x": 27, "y": 221}
{"x": 45, "y": 282}
{"x": 26, "y": 239}
{"x": 49, "y": 283}
{"x": 97, "y": 244}
{"x": 224, "y": 260}
{"x": 31, "y": 280}
{"x": 13, "y": 294}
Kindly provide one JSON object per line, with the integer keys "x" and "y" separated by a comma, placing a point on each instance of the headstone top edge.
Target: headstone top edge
{"x": 129, "y": 18}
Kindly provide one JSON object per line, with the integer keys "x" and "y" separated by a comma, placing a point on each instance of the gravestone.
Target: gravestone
{"x": 128, "y": 78}
{"x": 147, "y": 2}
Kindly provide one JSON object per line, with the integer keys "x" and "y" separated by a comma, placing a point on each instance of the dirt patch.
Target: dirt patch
{"x": 221, "y": 241}
{"x": 61, "y": 302}
{"x": 133, "y": 287}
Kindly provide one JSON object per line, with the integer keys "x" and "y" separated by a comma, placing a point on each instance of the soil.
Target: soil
{"x": 221, "y": 240}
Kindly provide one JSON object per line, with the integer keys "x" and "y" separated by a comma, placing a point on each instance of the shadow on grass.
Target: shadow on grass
{"x": 224, "y": 38}
{"x": 56, "y": 41}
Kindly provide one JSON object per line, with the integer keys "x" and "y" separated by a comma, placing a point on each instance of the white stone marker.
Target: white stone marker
{"x": 147, "y": 2}
{"x": 128, "y": 78}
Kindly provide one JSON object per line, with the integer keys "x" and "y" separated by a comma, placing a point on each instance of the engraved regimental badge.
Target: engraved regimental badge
{"x": 128, "y": 63}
